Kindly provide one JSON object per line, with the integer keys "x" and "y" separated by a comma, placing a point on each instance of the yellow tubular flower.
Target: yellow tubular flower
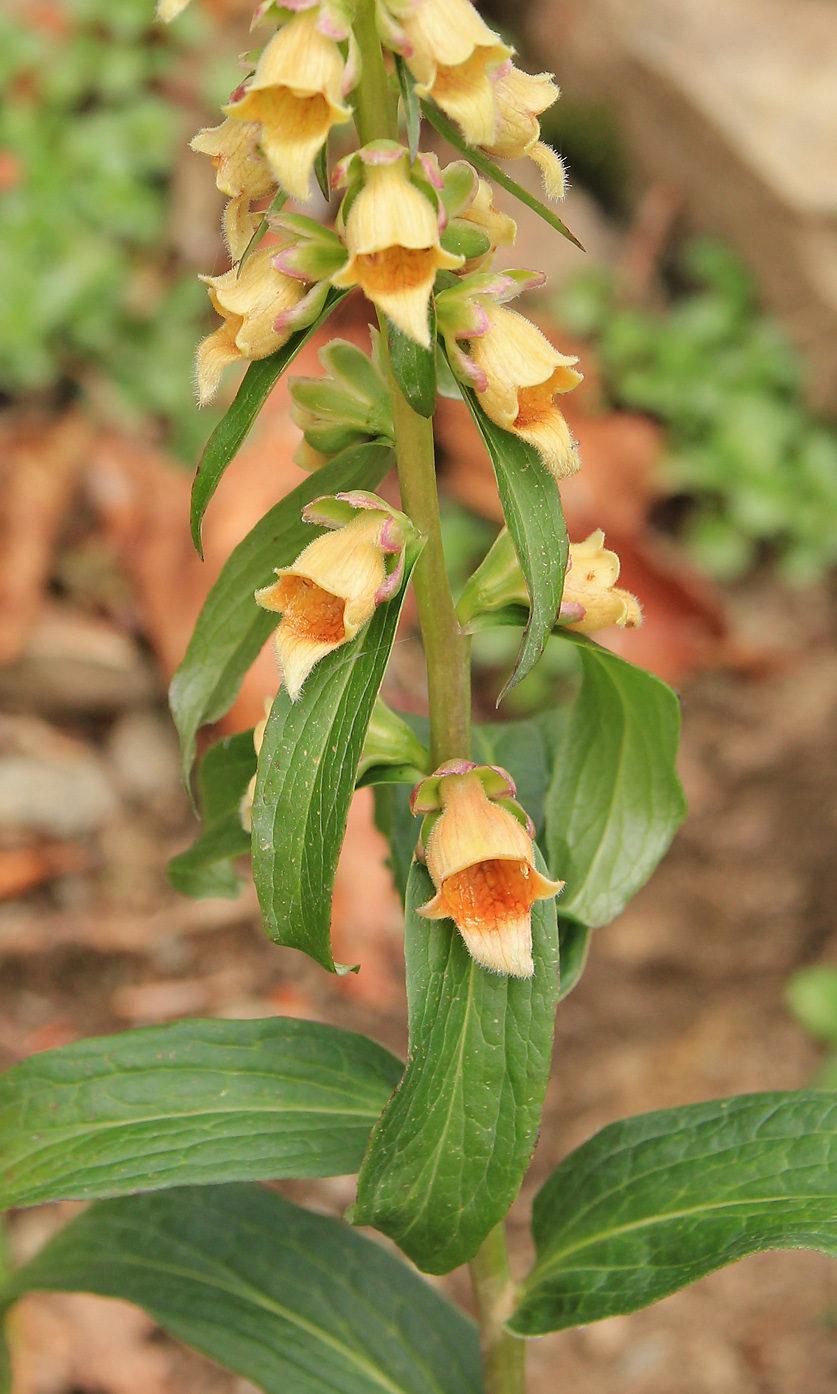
{"x": 450, "y": 51}
{"x": 250, "y": 303}
{"x": 522, "y": 373}
{"x": 591, "y": 597}
{"x": 499, "y": 228}
{"x": 521, "y": 98}
{"x": 167, "y": 10}
{"x": 233, "y": 149}
{"x": 328, "y": 595}
{"x": 296, "y": 94}
{"x": 392, "y": 237}
{"x": 482, "y": 863}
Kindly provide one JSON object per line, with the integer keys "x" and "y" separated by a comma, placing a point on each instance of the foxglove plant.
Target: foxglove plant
{"x": 532, "y": 833}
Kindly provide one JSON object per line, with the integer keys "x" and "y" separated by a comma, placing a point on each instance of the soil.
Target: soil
{"x": 682, "y": 1000}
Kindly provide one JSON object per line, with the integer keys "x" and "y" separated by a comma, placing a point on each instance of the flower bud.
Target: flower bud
{"x": 392, "y": 234}
{"x": 296, "y": 94}
{"x": 521, "y": 98}
{"x": 450, "y": 51}
{"x": 481, "y": 858}
{"x": 240, "y": 167}
{"x": 335, "y": 584}
{"x": 469, "y": 204}
{"x": 591, "y": 597}
{"x": 390, "y": 746}
{"x": 350, "y": 404}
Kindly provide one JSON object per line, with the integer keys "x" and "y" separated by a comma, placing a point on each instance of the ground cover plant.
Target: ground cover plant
{"x": 510, "y": 841}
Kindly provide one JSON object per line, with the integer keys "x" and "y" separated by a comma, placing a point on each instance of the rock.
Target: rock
{"x": 144, "y": 756}
{"x": 74, "y": 663}
{"x": 732, "y": 105}
{"x": 50, "y": 784}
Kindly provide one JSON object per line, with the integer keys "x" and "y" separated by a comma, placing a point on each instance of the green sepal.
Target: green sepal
{"x": 392, "y": 753}
{"x": 465, "y": 239}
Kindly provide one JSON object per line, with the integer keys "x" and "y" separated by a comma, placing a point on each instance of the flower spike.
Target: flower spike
{"x": 479, "y": 852}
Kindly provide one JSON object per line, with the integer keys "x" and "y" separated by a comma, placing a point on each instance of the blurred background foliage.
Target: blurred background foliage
{"x": 94, "y": 295}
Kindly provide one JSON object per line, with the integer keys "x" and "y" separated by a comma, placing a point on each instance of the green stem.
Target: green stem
{"x": 447, "y": 655}
{"x": 503, "y": 1355}
{"x": 446, "y": 650}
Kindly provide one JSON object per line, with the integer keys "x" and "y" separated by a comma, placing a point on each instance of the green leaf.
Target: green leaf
{"x": 195, "y": 1102}
{"x": 615, "y": 801}
{"x": 532, "y": 509}
{"x": 447, "y": 1158}
{"x": 206, "y": 868}
{"x": 306, "y": 779}
{"x": 394, "y": 819}
{"x": 231, "y": 628}
{"x": 294, "y": 1302}
{"x": 491, "y": 171}
{"x": 229, "y": 435}
{"x": 655, "y": 1202}
{"x": 574, "y": 940}
{"x": 321, "y": 171}
{"x": 414, "y": 367}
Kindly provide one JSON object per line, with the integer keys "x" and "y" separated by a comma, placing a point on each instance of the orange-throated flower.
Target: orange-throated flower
{"x": 521, "y": 98}
{"x": 261, "y": 302}
{"x": 240, "y": 168}
{"x": 451, "y": 52}
{"x": 478, "y": 846}
{"x": 296, "y": 95}
{"x": 510, "y": 363}
{"x": 591, "y": 599}
{"x": 332, "y": 589}
{"x": 390, "y": 219}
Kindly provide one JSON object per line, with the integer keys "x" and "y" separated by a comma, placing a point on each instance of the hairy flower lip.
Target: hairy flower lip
{"x": 482, "y": 864}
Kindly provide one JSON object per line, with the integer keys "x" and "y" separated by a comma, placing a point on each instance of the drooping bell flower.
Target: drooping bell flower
{"x": 240, "y": 168}
{"x": 591, "y": 599}
{"x": 390, "y": 220}
{"x": 261, "y": 305}
{"x": 451, "y": 53}
{"x": 508, "y": 361}
{"x": 479, "y": 852}
{"x": 521, "y": 98}
{"x": 333, "y": 588}
{"x": 295, "y": 95}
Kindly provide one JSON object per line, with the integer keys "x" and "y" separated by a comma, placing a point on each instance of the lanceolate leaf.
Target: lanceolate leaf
{"x": 615, "y": 801}
{"x": 655, "y": 1202}
{"x": 532, "y": 509}
{"x": 414, "y": 367}
{"x": 292, "y": 1301}
{"x": 447, "y": 1158}
{"x": 231, "y": 628}
{"x": 491, "y": 171}
{"x": 229, "y": 435}
{"x": 206, "y": 869}
{"x": 307, "y": 770}
{"x": 196, "y": 1102}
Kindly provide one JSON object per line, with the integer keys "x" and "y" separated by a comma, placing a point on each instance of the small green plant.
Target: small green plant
{"x": 510, "y": 842}
{"x": 762, "y": 473}
{"x": 91, "y": 297}
{"x": 812, "y": 997}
